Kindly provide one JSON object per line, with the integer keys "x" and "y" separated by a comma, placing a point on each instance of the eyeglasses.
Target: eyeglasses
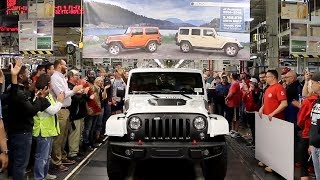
{"x": 269, "y": 76}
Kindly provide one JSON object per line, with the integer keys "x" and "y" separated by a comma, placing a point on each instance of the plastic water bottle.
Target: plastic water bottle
{"x": 300, "y": 99}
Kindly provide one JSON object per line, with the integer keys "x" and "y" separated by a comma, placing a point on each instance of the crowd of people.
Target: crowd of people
{"x": 239, "y": 96}
{"x": 53, "y": 117}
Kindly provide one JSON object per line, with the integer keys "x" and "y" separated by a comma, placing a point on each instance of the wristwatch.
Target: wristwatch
{"x": 5, "y": 152}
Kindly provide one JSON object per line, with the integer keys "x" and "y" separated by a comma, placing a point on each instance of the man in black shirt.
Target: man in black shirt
{"x": 78, "y": 112}
{"x": 21, "y": 123}
{"x": 294, "y": 91}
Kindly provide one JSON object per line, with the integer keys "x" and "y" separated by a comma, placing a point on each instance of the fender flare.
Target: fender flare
{"x": 116, "y": 125}
{"x": 150, "y": 41}
{"x": 217, "y": 125}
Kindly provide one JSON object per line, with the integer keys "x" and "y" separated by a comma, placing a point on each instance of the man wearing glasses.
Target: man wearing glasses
{"x": 274, "y": 101}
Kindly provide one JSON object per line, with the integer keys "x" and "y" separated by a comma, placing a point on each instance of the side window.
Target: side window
{"x": 195, "y": 32}
{"x": 208, "y": 32}
{"x": 184, "y": 31}
{"x": 137, "y": 31}
{"x": 151, "y": 31}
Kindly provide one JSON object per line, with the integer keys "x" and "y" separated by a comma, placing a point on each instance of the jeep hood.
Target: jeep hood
{"x": 166, "y": 105}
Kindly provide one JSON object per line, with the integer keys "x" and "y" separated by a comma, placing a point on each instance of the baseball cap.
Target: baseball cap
{"x": 254, "y": 80}
{"x": 316, "y": 77}
{"x": 75, "y": 72}
{"x": 285, "y": 70}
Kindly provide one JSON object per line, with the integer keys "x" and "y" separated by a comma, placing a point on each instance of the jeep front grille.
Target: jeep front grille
{"x": 167, "y": 129}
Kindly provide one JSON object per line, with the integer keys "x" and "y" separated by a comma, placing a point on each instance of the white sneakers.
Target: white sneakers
{"x": 51, "y": 177}
{"x": 234, "y": 134}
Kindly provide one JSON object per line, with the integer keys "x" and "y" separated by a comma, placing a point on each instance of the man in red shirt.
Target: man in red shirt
{"x": 275, "y": 98}
{"x": 233, "y": 102}
{"x": 274, "y": 101}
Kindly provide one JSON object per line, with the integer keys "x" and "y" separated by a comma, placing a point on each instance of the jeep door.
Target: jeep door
{"x": 195, "y": 38}
{"x": 137, "y": 38}
{"x": 210, "y": 39}
{"x": 152, "y": 34}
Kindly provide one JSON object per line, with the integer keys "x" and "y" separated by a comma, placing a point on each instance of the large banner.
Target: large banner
{"x": 167, "y": 29}
{"x": 275, "y": 145}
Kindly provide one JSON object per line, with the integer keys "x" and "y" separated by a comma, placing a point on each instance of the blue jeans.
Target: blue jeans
{"x": 89, "y": 128}
{"x": 99, "y": 122}
{"x": 106, "y": 115}
{"x": 19, "y": 154}
{"x": 316, "y": 161}
{"x": 42, "y": 162}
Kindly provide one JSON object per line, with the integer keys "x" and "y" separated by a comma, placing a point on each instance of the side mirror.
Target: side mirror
{"x": 120, "y": 92}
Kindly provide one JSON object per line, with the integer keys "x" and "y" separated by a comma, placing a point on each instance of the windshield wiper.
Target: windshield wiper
{"x": 186, "y": 96}
{"x": 145, "y": 92}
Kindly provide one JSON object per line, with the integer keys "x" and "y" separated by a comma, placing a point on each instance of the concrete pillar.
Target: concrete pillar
{"x": 272, "y": 35}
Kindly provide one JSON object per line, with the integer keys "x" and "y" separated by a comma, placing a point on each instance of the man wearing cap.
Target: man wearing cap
{"x": 250, "y": 99}
{"x": 283, "y": 80}
{"x": 78, "y": 112}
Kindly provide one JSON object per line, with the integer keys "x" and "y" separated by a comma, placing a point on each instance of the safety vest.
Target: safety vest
{"x": 45, "y": 125}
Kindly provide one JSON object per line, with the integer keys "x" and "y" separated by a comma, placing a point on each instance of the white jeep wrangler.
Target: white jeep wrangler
{"x": 166, "y": 116}
{"x": 189, "y": 38}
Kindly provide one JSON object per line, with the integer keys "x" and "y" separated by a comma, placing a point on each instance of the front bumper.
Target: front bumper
{"x": 240, "y": 46}
{"x": 167, "y": 150}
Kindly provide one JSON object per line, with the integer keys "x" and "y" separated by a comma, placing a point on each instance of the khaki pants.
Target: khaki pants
{"x": 59, "y": 142}
{"x": 74, "y": 137}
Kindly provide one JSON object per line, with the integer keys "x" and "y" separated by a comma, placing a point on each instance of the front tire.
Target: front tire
{"x": 117, "y": 168}
{"x": 114, "y": 49}
{"x": 215, "y": 168}
{"x": 185, "y": 47}
{"x": 231, "y": 50}
{"x": 152, "y": 46}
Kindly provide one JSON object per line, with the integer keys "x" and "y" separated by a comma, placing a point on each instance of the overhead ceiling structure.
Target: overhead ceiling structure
{"x": 258, "y": 12}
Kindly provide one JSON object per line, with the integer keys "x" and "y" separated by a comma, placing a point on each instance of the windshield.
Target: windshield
{"x": 128, "y": 31}
{"x": 166, "y": 83}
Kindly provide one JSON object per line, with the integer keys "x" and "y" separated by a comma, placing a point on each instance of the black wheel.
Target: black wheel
{"x": 216, "y": 168}
{"x": 231, "y": 50}
{"x": 117, "y": 168}
{"x": 114, "y": 48}
{"x": 185, "y": 47}
{"x": 152, "y": 46}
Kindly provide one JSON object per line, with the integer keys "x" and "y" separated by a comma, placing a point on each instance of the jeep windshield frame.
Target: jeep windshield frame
{"x": 128, "y": 31}
{"x": 183, "y": 83}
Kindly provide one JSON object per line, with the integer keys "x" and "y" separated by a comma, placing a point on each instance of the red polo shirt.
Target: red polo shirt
{"x": 272, "y": 98}
{"x": 234, "y": 100}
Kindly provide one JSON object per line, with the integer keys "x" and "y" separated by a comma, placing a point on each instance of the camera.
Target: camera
{"x": 106, "y": 82}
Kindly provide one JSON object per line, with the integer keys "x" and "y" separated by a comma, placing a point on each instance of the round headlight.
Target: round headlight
{"x": 135, "y": 123}
{"x": 199, "y": 123}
